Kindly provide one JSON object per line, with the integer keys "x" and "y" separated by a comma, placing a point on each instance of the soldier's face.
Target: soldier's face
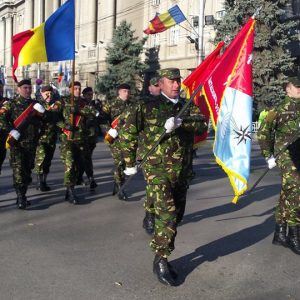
{"x": 77, "y": 90}
{"x": 25, "y": 91}
{"x": 124, "y": 94}
{"x": 88, "y": 96}
{"x": 170, "y": 87}
{"x": 46, "y": 96}
{"x": 293, "y": 91}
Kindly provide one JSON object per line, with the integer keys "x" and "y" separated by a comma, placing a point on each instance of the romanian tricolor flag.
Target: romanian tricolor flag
{"x": 166, "y": 20}
{"x": 53, "y": 40}
{"x": 228, "y": 92}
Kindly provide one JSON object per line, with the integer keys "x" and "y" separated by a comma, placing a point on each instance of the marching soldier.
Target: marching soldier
{"x": 148, "y": 221}
{"x": 115, "y": 109}
{"x": 73, "y": 147}
{"x": 92, "y": 138}
{"x": 21, "y": 117}
{"x": 48, "y": 137}
{"x": 167, "y": 168}
{"x": 279, "y": 128}
{"x": 3, "y": 133}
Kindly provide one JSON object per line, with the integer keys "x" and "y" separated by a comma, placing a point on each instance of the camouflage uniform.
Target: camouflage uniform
{"x": 23, "y": 152}
{"x": 75, "y": 151}
{"x": 166, "y": 169}
{"x": 115, "y": 108}
{"x": 3, "y": 137}
{"x": 92, "y": 125}
{"x": 47, "y": 139}
{"x": 279, "y": 126}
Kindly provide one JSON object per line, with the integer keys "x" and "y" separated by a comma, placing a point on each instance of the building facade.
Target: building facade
{"x": 95, "y": 22}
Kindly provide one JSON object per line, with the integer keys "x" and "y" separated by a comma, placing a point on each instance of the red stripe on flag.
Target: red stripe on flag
{"x": 18, "y": 42}
{"x": 158, "y": 26}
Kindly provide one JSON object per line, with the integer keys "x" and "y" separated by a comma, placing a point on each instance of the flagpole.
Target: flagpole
{"x": 72, "y": 97}
{"x": 183, "y": 109}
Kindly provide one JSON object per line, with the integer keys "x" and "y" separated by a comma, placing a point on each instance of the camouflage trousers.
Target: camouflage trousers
{"x": 169, "y": 200}
{"x": 87, "y": 165}
{"x": 3, "y": 137}
{"x": 43, "y": 157}
{"x": 119, "y": 162}
{"x": 22, "y": 162}
{"x": 288, "y": 207}
{"x": 73, "y": 156}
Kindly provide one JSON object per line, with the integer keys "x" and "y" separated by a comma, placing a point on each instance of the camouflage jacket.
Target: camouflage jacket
{"x": 49, "y": 129}
{"x": 115, "y": 108}
{"x": 30, "y": 128}
{"x": 144, "y": 126}
{"x": 81, "y": 131}
{"x": 279, "y": 126}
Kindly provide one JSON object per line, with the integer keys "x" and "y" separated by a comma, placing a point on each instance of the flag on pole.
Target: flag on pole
{"x": 196, "y": 78}
{"x": 162, "y": 22}
{"x": 228, "y": 92}
{"x": 53, "y": 40}
{"x": 60, "y": 73}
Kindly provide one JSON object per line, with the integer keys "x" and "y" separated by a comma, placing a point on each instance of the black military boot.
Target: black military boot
{"x": 293, "y": 239}
{"x": 71, "y": 195}
{"x": 93, "y": 183}
{"x": 122, "y": 195}
{"x": 280, "y": 237}
{"x": 46, "y": 187}
{"x": 161, "y": 268}
{"x": 21, "y": 199}
{"x": 41, "y": 184}
{"x": 148, "y": 223}
{"x": 115, "y": 188}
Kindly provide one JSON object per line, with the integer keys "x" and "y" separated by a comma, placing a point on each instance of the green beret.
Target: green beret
{"x": 170, "y": 73}
{"x": 24, "y": 81}
{"x": 154, "y": 81}
{"x": 46, "y": 88}
{"x": 88, "y": 89}
{"x": 295, "y": 80}
{"x": 124, "y": 86}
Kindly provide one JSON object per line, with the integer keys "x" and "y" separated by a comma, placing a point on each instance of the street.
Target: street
{"x": 99, "y": 250}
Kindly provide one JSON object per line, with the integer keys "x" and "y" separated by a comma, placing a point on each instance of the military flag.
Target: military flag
{"x": 195, "y": 79}
{"x": 162, "y": 22}
{"x": 53, "y": 40}
{"x": 228, "y": 92}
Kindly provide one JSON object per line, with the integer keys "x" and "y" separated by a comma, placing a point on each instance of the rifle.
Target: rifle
{"x": 143, "y": 161}
{"x": 21, "y": 122}
{"x": 290, "y": 141}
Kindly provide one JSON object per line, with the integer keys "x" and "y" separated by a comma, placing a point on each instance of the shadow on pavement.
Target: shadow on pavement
{"x": 223, "y": 247}
{"x": 259, "y": 194}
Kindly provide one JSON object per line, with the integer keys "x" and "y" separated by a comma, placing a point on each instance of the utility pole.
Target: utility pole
{"x": 201, "y": 30}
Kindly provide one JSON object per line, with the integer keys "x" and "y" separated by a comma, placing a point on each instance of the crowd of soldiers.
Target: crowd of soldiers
{"x": 30, "y": 128}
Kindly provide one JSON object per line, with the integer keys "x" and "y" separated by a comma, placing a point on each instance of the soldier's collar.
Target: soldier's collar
{"x": 175, "y": 101}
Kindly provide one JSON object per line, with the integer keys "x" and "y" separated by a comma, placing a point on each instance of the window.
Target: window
{"x": 220, "y": 14}
{"x": 155, "y": 2}
{"x": 92, "y": 53}
{"x": 174, "y": 35}
{"x": 296, "y": 7}
{"x": 155, "y": 40}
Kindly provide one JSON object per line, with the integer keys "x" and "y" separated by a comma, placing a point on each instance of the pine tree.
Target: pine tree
{"x": 123, "y": 60}
{"x": 273, "y": 33}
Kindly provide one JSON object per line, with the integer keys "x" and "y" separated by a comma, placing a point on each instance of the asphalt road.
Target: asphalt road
{"x": 98, "y": 250}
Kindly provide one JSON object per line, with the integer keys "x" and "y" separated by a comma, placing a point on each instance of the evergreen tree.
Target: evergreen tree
{"x": 273, "y": 33}
{"x": 123, "y": 61}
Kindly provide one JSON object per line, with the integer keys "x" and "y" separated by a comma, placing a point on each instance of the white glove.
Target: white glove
{"x": 113, "y": 132}
{"x": 271, "y": 161}
{"x": 15, "y": 134}
{"x": 130, "y": 171}
{"x": 170, "y": 124}
{"x": 38, "y": 107}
